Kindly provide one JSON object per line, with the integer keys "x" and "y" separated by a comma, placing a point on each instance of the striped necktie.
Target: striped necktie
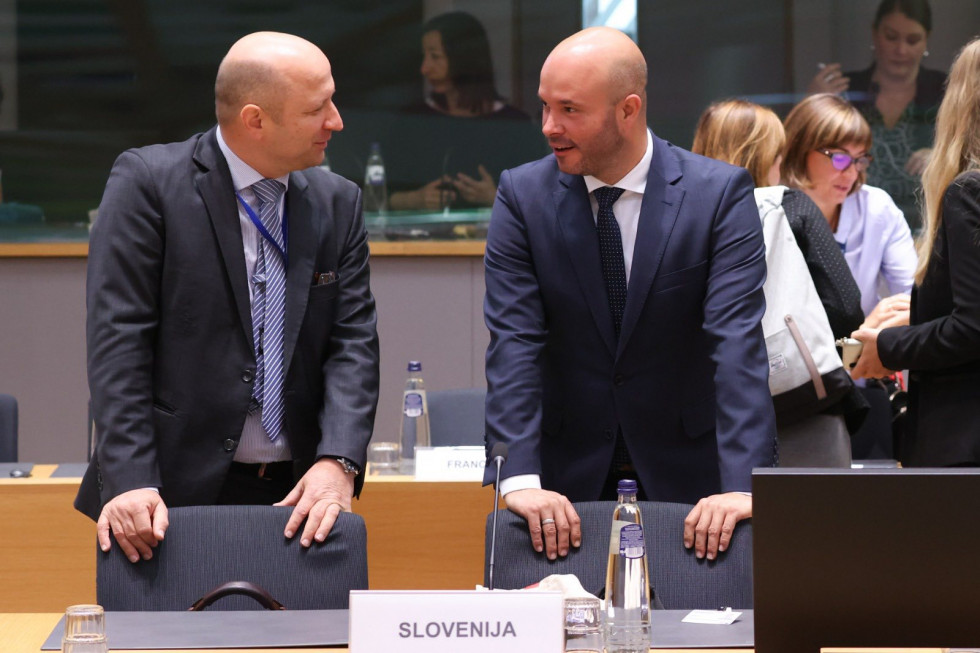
{"x": 269, "y": 308}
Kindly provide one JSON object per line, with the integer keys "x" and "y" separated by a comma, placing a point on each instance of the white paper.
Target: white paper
{"x": 713, "y": 617}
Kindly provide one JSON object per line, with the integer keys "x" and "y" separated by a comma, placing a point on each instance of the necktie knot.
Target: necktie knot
{"x": 269, "y": 191}
{"x": 607, "y": 196}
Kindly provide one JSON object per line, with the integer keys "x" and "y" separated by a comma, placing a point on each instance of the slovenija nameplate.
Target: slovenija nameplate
{"x": 456, "y": 621}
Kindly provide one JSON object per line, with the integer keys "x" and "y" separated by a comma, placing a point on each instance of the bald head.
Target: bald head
{"x": 258, "y": 69}
{"x": 608, "y": 53}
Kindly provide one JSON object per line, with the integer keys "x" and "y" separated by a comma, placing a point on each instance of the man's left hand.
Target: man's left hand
{"x": 710, "y": 524}
{"x": 320, "y": 496}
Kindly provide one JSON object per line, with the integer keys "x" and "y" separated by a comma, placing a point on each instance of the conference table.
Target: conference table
{"x": 421, "y": 535}
{"x": 26, "y": 632}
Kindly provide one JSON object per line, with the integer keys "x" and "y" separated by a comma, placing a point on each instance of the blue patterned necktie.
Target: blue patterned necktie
{"x": 269, "y": 308}
{"x": 611, "y": 252}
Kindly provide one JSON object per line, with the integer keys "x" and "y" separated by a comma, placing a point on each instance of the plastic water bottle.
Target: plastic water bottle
{"x": 415, "y": 418}
{"x": 375, "y": 182}
{"x": 627, "y": 626}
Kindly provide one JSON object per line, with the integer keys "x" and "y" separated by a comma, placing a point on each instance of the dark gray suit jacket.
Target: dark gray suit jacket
{"x": 170, "y": 357}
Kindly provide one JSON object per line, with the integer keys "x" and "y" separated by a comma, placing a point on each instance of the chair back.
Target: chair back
{"x": 457, "y": 417}
{"x": 206, "y": 546}
{"x": 8, "y": 429}
{"x": 681, "y": 581}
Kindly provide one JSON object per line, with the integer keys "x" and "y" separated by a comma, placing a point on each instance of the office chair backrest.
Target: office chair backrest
{"x": 681, "y": 581}
{"x": 206, "y": 546}
{"x": 457, "y": 417}
{"x": 8, "y": 429}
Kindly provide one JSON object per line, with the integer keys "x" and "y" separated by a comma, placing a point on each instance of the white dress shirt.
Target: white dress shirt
{"x": 254, "y": 445}
{"x": 877, "y": 245}
{"x": 627, "y": 212}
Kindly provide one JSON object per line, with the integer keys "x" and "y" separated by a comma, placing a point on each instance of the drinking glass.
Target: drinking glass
{"x": 583, "y": 624}
{"x": 84, "y": 630}
{"x": 383, "y": 457}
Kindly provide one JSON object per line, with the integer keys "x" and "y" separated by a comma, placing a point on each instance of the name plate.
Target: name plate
{"x": 450, "y": 463}
{"x": 456, "y": 621}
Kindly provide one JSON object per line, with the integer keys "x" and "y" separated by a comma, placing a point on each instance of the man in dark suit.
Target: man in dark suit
{"x": 625, "y": 323}
{"x": 232, "y": 343}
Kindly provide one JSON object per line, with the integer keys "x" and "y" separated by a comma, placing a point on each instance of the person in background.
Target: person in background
{"x": 941, "y": 344}
{"x": 752, "y": 136}
{"x": 898, "y": 97}
{"x": 232, "y": 341}
{"x": 828, "y": 146}
{"x": 624, "y": 303}
{"x": 464, "y": 134}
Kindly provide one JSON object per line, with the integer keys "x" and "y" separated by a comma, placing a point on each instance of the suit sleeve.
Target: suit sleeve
{"x": 733, "y": 308}
{"x": 953, "y": 339}
{"x": 515, "y": 316}
{"x": 122, "y": 297}
{"x": 351, "y": 368}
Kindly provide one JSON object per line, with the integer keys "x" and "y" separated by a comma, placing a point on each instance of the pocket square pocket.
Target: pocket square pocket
{"x": 323, "y": 278}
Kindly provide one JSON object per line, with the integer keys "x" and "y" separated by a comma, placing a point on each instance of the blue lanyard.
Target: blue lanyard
{"x": 265, "y": 232}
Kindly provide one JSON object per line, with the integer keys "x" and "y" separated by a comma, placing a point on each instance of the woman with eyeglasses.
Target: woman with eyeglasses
{"x": 941, "y": 344}
{"x": 898, "y": 97}
{"x": 828, "y": 146}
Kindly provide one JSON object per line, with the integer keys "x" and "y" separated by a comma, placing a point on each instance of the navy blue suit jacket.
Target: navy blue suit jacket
{"x": 687, "y": 380}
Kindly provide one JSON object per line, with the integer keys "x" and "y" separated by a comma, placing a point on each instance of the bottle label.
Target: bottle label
{"x": 375, "y": 175}
{"x": 413, "y": 404}
{"x": 631, "y": 544}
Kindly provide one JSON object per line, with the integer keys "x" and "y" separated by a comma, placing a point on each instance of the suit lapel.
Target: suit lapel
{"x": 658, "y": 214}
{"x": 576, "y": 224}
{"x": 217, "y": 190}
{"x": 303, "y": 239}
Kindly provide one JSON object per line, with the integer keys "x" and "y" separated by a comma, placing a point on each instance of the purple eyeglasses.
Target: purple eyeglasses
{"x": 842, "y": 160}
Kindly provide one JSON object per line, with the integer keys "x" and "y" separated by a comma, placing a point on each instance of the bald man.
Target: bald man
{"x": 232, "y": 343}
{"x": 624, "y": 298}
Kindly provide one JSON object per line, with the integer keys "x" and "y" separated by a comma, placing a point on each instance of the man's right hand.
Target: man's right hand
{"x": 562, "y": 524}
{"x": 138, "y": 520}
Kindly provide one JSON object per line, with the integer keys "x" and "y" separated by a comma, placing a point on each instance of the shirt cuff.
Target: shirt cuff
{"x": 520, "y": 482}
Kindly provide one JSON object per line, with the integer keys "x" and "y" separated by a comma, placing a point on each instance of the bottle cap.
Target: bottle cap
{"x": 626, "y": 485}
{"x": 416, "y": 366}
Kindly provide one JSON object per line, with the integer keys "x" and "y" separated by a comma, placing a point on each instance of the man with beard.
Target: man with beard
{"x": 624, "y": 297}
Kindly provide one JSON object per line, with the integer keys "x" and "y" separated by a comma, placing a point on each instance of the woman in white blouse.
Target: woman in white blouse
{"x": 827, "y": 154}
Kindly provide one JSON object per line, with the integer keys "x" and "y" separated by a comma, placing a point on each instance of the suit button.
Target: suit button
{"x": 247, "y": 376}
{"x": 231, "y": 445}
{"x": 618, "y": 380}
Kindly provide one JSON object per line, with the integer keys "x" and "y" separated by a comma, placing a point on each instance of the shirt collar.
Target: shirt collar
{"x": 242, "y": 174}
{"x": 635, "y": 180}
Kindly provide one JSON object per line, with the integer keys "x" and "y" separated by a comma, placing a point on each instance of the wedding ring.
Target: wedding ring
{"x": 829, "y": 78}
{"x": 545, "y": 522}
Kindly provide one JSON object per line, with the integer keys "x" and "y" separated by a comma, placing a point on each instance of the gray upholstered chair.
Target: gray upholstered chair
{"x": 681, "y": 581}
{"x": 457, "y": 417}
{"x": 8, "y": 429}
{"x": 207, "y": 546}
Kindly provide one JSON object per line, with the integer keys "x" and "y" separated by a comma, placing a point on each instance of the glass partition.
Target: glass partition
{"x": 82, "y": 80}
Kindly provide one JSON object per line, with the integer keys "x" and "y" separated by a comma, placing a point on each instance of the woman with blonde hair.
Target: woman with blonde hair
{"x": 751, "y": 136}
{"x": 827, "y": 153}
{"x": 941, "y": 345}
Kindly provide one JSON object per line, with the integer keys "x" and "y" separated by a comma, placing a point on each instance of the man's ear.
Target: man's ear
{"x": 252, "y": 118}
{"x": 630, "y": 107}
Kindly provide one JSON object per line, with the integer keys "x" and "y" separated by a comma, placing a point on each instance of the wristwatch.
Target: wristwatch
{"x": 349, "y": 466}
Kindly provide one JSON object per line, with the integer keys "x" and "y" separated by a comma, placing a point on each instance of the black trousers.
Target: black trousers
{"x": 254, "y": 484}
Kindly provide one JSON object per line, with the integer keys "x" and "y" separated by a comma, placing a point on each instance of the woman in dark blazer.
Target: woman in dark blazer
{"x": 941, "y": 345}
